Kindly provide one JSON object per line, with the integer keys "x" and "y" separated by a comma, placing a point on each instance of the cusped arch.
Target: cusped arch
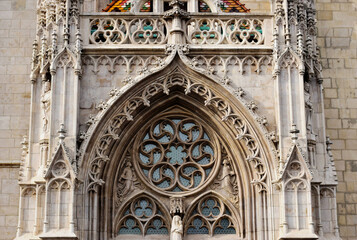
{"x": 219, "y": 208}
{"x": 124, "y": 103}
{"x": 243, "y": 173}
{"x": 150, "y": 209}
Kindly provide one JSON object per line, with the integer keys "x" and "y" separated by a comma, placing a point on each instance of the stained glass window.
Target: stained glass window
{"x": 147, "y": 6}
{"x": 232, "y": 6}
{"x": 203, "y": 6}
{"x": 118, "y": 6}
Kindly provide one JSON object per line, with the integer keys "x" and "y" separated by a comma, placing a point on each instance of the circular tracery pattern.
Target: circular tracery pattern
{"x": 176, "y": 154}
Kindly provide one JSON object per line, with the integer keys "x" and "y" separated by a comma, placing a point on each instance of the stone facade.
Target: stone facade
{"x": 337, "y": 38}
{"x": 77, "y": 60}
{"x": 17, "y": 31}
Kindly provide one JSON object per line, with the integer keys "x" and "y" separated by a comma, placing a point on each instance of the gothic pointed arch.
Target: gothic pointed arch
{"x": 205, "y": 133}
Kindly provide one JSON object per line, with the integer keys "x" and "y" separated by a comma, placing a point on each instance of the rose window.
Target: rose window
{"x": 176, "y": 155}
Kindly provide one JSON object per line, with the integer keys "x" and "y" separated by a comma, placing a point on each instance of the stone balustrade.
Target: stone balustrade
{"x": 204, "y": 30}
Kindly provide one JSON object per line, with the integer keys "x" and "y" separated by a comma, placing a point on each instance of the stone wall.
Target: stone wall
{"x": 9, "y": 201}
{"x": 17, "y": 31}
{"x": 17, "y": 25}
{"x": 337, "y": 32}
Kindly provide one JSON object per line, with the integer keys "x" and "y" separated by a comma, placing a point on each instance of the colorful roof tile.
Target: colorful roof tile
{"x": 203, "y": 6}
{"x": 118, "y": 6}
{"x": 233, "y": 6}
{"x": 147, "y": 6}
{"x": 226, "y": 6}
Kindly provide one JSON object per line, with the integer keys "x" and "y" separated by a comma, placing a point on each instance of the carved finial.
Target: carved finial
{"x": 61, "y": 132}
{"x": 176, "y": 10}
{"x": 294, "y": 132}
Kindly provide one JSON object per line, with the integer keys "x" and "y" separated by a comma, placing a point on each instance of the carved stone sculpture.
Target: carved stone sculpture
{"x": 126, "y": 181}
{"x": 45, "y": 107}
{"x": 226, "y": 177}
{"x": 176, "y": 228}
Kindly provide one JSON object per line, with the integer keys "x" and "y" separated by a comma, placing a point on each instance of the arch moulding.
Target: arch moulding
{"x": 110, "y": 129}
{"x": 109, "y": 124}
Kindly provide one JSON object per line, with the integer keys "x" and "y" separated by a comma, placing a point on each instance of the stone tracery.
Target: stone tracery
{"x": 143, "y": 216}
{"x": 176, "y": 155}
{"x": 210, "y": 216}
{"x": 229, "y": 143}
{"x": 226, "y": 112}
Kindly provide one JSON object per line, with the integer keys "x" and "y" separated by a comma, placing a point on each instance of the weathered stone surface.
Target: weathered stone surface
{"x": 337, "y": 41}
{"x": 341, "y": 56}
